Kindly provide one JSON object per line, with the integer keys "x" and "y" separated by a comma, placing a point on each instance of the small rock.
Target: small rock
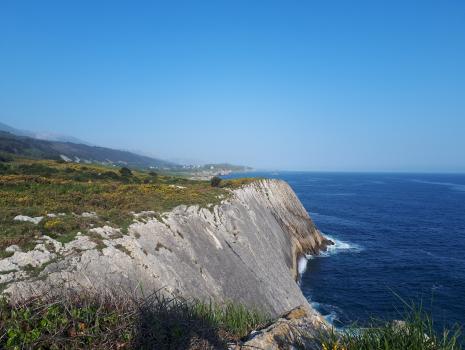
{"x": 12, "y": 248}
{"x": 65, "y": 158}
{"x": 33, "y": 257}
{"x": 144, "y": 214}
{"x": 25, "y": 218}
{"x": 177, "y": 186}
{"x": 296, "y": 314}
{"x": 296, "y": 329}
{"x": 89, "y": 215}
{"x": 105, "y": 231}
{"x": 81, "y": 243}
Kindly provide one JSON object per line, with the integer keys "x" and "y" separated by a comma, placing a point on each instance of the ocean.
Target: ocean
{"x": 400, "y": 239}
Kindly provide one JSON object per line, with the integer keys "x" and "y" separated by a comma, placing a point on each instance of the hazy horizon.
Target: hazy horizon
{"x": 359, "y": 86}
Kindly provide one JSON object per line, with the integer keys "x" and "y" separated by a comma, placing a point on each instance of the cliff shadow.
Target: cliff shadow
{"x": 173, "y": 324}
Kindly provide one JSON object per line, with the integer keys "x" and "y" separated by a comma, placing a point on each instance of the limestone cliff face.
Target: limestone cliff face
{"x": 244, "y": 249}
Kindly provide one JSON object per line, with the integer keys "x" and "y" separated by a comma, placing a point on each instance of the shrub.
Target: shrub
{"x": 3, "y": 168}
{"x": 85, "y": 321}
{"x": 36, "y": 169}
{"x": 125, "y": 172}
{"x": 215, "y": 181}
{"x": 55, "y": 227}
{"x": 111, "y": 175}
{"x": 70, "y": 323}
{"x": 5, "y": 157}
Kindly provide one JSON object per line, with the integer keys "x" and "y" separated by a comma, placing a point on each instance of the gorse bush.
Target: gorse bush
{"x": 5, "y": 157}
{"x": 125, "y": 171}
{"x": 3, "y": 168}
{"x": 36, "y": 169}
{"x": 155, "y": 322}
{"x": 215, "y": 181}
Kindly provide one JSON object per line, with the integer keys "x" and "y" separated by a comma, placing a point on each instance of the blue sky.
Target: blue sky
{"x": 302, "y": 85}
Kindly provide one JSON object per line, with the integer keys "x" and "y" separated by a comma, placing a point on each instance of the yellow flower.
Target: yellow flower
{"x": 50, "y": 224}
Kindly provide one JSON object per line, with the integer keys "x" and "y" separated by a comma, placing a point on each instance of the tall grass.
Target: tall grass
{"x": 82, "y": 321}
{"x": 236, "y": 318}
{"x": 416, "y": 332}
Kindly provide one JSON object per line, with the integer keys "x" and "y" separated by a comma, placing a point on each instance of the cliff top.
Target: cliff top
{"x": 60, "y": 199}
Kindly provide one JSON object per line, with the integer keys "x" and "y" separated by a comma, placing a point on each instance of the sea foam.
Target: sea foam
{"x": 329, "y": 312}
{"x": 302, "y": 264}
{"x": 339, "y": 247}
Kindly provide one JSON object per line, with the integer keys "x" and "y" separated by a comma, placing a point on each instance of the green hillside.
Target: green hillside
{"x": 42, "y": 149}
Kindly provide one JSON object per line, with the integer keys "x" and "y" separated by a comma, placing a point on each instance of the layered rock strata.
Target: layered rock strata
{"x": 243, "y": 250}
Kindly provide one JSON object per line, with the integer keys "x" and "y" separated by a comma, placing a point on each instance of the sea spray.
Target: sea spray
{"x": 338, "y": 246}
{"x": 302, "y": 264}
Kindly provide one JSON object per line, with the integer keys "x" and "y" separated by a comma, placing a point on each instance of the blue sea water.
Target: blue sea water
{"x": 397, "y": 236}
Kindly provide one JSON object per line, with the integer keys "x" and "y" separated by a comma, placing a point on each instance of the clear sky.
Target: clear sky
{"x": 302, "y": 85}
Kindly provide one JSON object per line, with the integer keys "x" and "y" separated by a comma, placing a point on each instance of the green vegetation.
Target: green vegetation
{"x": 25, "y": 146}
{"x": 215, "y": 181}
{"x": 125, "y": 172}
{"x": 416, "y": 332}
{"x": 90, "y": 322}
{"x": 82, "y": 321}
{"x": 5, "y": 157}
{"x": 40, "y": 187}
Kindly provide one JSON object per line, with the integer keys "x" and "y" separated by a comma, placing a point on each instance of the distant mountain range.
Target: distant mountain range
{"x": 30, "y": 144}
{"x": 42, "y": 135}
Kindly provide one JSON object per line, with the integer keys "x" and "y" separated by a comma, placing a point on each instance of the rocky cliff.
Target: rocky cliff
{"x": 244, "y": 249}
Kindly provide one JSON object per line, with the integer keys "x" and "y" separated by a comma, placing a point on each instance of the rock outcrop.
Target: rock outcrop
{"x": 244, "y": 250}
{"x": 296, "y": 329}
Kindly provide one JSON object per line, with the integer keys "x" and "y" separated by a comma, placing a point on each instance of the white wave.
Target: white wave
{"x": 340, "y": 246}
{"x": 302, "y": 265}
{"x": 330, "y": 315}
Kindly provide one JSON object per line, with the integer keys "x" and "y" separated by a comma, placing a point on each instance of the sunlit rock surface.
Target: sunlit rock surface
{"x": 244, "y": 250}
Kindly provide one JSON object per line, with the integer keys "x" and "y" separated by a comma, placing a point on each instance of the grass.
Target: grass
{"x": 40, "y": 187}
{"x": 81, "y": 321}
{"x": 86, "y": 321}
{"x": 417, "y": 331}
